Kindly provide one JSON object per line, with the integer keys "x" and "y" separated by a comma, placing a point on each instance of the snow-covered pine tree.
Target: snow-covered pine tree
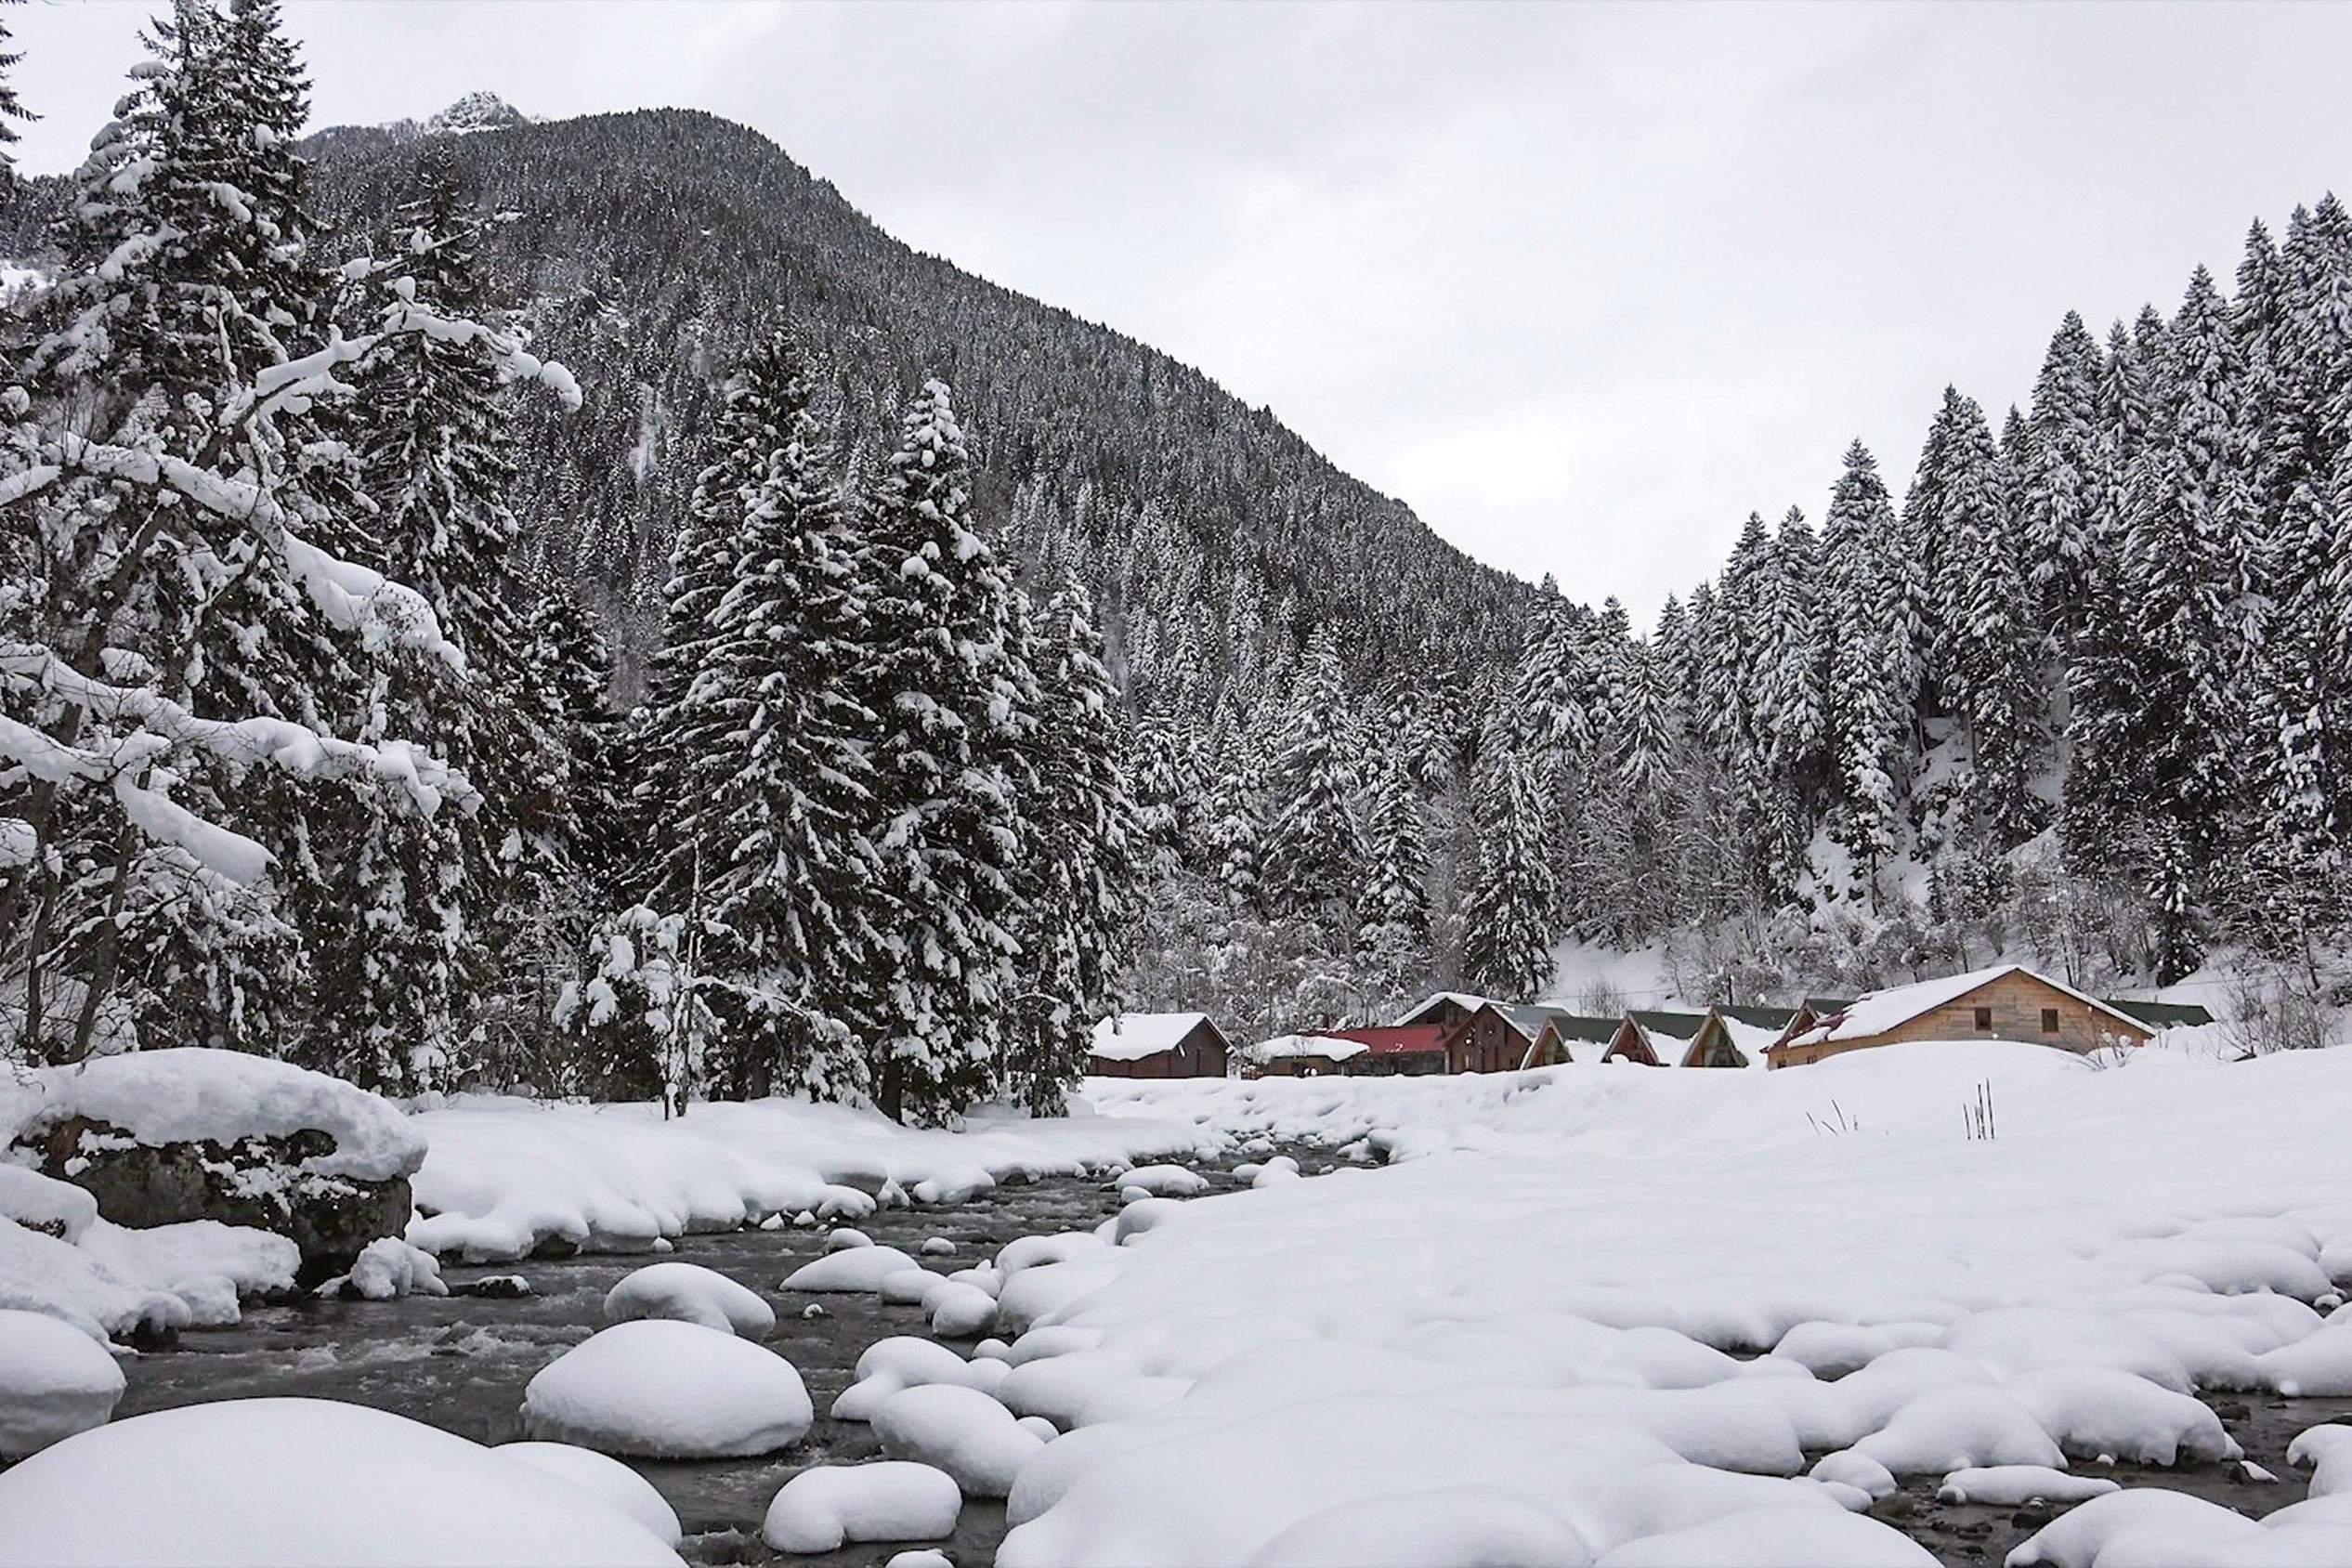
{"x": 1312, "y": 860}
{"x": 944, "y": 822}
{"x": 1868, "y": 711}
{"x": 758, "y": 754}
{"x": 11, "y": 107}
{"x": 2065, "y": 477}
{"x": 1508, "y": 904}
{"x": 1392, "y": 914}
{"x": 1081, "y": 882}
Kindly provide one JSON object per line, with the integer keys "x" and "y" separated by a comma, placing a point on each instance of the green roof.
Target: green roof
{"x": 1760, "y": 1017}
{"x": 2162, "y": 1014}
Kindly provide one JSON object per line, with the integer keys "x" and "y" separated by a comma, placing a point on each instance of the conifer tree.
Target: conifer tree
{"x": 1314, "y": 852}
{"x": 1507, "y": 907}
{"x": 944, "y": 823}
{"x": 1392, "y": 916}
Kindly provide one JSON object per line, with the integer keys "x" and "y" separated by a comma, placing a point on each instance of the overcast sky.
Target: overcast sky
{"x": 1582, "y": 285}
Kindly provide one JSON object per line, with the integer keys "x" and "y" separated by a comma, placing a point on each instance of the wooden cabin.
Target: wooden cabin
{"x": 1302, "y": 1056}
{"x": 1738, "y": 1036}
{"x": 1410, "y": 1052}
{"x": 1502, "y": 1037}
{"x": 1158, "y": 1045}
{"x": 1446, "y": 1009}
{"x": 2008, "y": 1002}
{"x": 1653, "y": 1039}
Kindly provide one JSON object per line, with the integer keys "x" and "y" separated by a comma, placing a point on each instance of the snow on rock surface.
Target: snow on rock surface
{"x": 41, "y": 1274}
{"x": 603, "y": 1477}
{"x": 1554, "y": 1287}
{"x": 690, "y": 1293}
{"x": 833, "y": 1506}
{"x": 386, "y": 1269}
{"x": 666, "y": 1389}
{"x": 55, "y": 1382}
{"x": 961, "y": 1431}
{"x": 1164, "y": 1181}
{"x": 505, "y": 1175}
{"x": 855, "y": 1268}
{"x": 45, "y": 1204}
{"x": 2329, "y": 1450}
{"x": 246, "y": 1481}
{"x": 189, "y": 1093}
{"x": 2008, "y": 1485}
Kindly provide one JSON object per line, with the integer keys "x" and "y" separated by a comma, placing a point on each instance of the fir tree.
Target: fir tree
{"x": 1313, "y": 853}
{"x": 1507, "y": 907}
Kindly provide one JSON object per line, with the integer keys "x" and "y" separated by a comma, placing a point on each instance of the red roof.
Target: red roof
{"x": 1413, "y": 1041}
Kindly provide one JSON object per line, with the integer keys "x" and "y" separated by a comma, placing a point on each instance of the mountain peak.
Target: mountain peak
{"x": 477, "y": 111}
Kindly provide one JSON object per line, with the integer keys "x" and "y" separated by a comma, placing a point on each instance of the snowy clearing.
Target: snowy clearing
{"x": 1547, "y": 1295}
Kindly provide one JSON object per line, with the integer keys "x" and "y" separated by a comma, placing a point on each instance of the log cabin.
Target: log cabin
{"x": 1158, "y": 1045}
{"x": 1653, "y": 1039}
{"x": 1738, "y": 1036}
{"x": 2008, "y": 1001}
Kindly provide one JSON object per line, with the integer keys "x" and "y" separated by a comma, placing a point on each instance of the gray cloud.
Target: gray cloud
{"x": 1582, "y": 285}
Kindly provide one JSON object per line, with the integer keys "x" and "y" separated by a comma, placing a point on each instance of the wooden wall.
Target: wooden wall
{"x": 2014, "y": 1004}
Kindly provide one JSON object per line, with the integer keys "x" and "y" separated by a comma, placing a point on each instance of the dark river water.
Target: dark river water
{"x": 460, "y": 1362}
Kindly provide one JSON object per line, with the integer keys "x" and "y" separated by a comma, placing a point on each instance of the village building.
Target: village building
{"x": 1409, "y": 1052}
{"x": 1448, "y": 1009}
{"x": 1655, "y": 1038}
{"x": 1738, "y": 1036}
{"x": 1502, "y": 1037}
{"x": 1302, "y": 1056}
{"x": 1158, "y": 1045}
{"x": 2008, "y": 1001}
{"x": 2163, "y": 1014}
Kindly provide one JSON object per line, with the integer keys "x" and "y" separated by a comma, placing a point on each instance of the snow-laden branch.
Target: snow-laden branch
{"x": 159, "y": 726}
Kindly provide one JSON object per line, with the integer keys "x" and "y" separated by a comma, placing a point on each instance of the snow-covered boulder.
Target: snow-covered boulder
{"x": 41, "y": 1274}
{"x": 388, "y": 1268}
{"x": 690, "y": 1293}
{"x": 606, "y": 1478}
{"x": 857, "y": 1269}
{"x": 42, "y": 1203}
{"x": 833, "y": 1506}
{"x": 668, "y": 1389}
{"x": 1164, "y": 1181}
{"x": 962, "y": 1430}
{"x": 300, "y": 1480}
{"x": 160, "y": 1137}
{"x": 55, "y": 1381}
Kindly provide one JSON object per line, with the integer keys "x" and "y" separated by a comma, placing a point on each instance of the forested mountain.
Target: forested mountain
{"x": 980, "y": 667}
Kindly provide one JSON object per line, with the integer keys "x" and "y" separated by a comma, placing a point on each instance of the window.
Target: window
{"x": 1984, "y": 1019}
{"x": 2049, "y": 1020}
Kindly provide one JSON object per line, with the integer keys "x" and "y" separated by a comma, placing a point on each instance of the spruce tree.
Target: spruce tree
{"x": 1508, "y": 906}
{"x": 945, "y": 824}
{"x": 1313, "y": 853}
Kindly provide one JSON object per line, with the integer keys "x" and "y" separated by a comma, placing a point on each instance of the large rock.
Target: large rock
{"x": 256, "y": 1182}
{"x": 161, "y": 1137}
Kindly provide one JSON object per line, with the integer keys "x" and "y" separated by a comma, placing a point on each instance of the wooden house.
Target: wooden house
{"x": 1448, "y": 1009}
{"x": 1158, "y": 1045}
{"x": 1413, "y": 1051}
{"x": 1653, "y": 1039}
{"x": 1302, "y": 1056}
{"x": 2007, "y": 1003}
{"x": 1738, "y": 1036}
{"x": 1502, "y": 1037}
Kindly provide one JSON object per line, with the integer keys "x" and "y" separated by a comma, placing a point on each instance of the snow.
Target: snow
{"x": 602, "y": 1477}
{"x": 54, "y": 1381}
{"x": 1164, "y": 1181}
{"x": 1130, "y": 1036}
{"x": 962, "y": 1430}
{"x": 207, "y": 1265}
{"x": 2008, "y": 1485}
{"x": 45, "y": 1204}
{"x": 41, "y": 1274}
{"x": 855, "y": 1268}
{"x": 388, "y": 1268}
{"x": 504, "y": 1174}
{"x": 827, "y": 1508}
{"x": 690, "y": 1293}
{"x": 188, "y": 1093}
{"x": 1283, "y": 1048}
{"x": 1552, "y": 1295}
{"x": 668, "y": 1389}
{"x": 1463, "y": 999}
{"x": 2329, "y": 1450}
{"x": 246, "y": 1481}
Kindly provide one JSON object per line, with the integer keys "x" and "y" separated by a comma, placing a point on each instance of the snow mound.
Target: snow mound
{"x": 189, "y": 1093}
{"x": 690, "y": 1293}
{"x": 855, "y": 1268}
{"x": 54, "y": 1381}
{"x": 1774, "y": 1538}
{"x": 1164, "y": 1181}
{"x": 2008, "y": 1485}
{"x": 833, "y": 1506}
{"x": 388, "y": 1268}
{"x": 605, "y": 1478}
{"x": 961, "y": 1431}
{"x": 45, "y": 1204}
{"x": 2329, "y": 1450}
{"x": 247, "y": 1480}
{"x": 40, "y": 1274}
{"x": 666, "y": 1389}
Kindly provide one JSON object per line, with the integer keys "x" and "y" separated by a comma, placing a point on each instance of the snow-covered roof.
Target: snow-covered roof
{"x": 1130, "y": 1036}
{"x": 1462, "y": 999}
{"x": 1283, "y": 1047}
{"x": 1750, "y": 1040}
{"x": 1878, "y": 1012}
